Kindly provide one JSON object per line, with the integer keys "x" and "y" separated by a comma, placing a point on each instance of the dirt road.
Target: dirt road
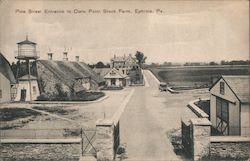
{"x": 149, "y": 115}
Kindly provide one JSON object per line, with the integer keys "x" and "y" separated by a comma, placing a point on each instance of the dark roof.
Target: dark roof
{"x": 26, "y": 77}
{"x": 239, "y": 84}
{"x": 6, "y": 70}
{"x": 26, "y": 42}
{"x": 68, "y": 71}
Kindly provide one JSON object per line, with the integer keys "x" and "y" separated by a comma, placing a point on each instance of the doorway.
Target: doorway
{"x": 113, "y": 80}
{"x": 23, "y": 95}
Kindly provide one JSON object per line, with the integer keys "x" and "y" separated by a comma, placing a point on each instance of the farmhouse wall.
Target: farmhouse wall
{"x": 5, "y": 89}
{"x": 245, "y": 121}
{"x": 25, "y": 85}
{"x": 229, "y": 149}
{"x": 234, "y": 118}
{"x": 213, "y": 110}
{"x": 47, "y": 151}
{"x": 228, "y": 94}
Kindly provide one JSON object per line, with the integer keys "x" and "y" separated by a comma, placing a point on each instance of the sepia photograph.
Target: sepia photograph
{"x": 124, "y": 80}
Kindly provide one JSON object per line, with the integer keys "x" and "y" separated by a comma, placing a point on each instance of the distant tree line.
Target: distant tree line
{"x": 99, "y": 64}
{"x": 223, "y": 62}
{"x": 235, "y": 62}
{"x": 20, "y": 68}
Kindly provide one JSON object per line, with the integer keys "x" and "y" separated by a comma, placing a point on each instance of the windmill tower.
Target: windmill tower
{"x": 26, "y": 52}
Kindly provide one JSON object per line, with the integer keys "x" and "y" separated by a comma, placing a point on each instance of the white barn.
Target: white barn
{"x": 230, "y": 105}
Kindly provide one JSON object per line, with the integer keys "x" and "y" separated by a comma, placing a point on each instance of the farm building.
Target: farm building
{"x": 23, "y": 89}
{"x": 124, "y": 63}
{"x": 71, "y": 75}
{"x": 230, "y": 105}
{"x": 113, "y": 77}
{"x": 7, "y": 80}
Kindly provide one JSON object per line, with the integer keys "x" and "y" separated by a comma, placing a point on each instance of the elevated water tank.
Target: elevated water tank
{"x": 27, "y": 50}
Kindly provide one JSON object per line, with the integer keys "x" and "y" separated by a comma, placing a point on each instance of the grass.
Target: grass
{"x": 56, "y": 110}
{"x": 82, "y": 96}
{"x": 10, "y": 114}
{"x": 196, "y": 77}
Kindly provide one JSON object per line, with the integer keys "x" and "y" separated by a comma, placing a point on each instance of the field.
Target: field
{"x": 196, "y": 77}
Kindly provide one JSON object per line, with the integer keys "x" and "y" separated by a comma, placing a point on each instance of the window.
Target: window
{"x": 34, "y": 89}
{"x": 222, "y": 114}
{"x": 222, "y": 88}
{"x": 1, "y": 93}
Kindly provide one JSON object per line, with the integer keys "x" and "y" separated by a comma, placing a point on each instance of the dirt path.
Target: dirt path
{"x": 143, "y": 134}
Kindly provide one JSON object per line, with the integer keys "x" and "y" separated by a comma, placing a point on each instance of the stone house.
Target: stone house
{"x": 124, "y": 63}
{"x": 23, "y": 89}
{"x": 7, "y": 80}
{"x": 230, "y": 105}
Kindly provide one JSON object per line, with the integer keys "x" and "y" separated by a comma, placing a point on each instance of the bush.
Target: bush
{"x": 43, "y": 97}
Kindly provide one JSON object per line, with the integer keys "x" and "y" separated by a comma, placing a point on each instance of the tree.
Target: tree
{"x": 140, "y": 58}
{"x": 100, "y": 65}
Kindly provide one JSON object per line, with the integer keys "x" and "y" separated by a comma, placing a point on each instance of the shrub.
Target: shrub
{"x": 43, "y": 97}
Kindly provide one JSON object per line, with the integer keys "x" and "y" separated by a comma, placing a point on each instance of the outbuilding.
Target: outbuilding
{"x": 7, "y": 80}
{"x": 23, "y": 89}
{"x": 230, "y": 105}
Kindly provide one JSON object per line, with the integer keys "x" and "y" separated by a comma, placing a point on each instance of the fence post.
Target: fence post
{"x": 82, "y": 141}
{"x": 200, "y": 131}
{"x": 105, "y": 140}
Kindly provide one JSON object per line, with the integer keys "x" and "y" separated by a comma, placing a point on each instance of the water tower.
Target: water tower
{"x": 27, "y": 52}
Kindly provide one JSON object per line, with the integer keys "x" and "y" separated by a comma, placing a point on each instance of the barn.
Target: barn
{"x": 7, "y": 80}
{"x": 230, "y": 105}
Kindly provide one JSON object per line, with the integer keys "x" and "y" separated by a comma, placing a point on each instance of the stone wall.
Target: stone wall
{"x": 225, "y": 150}
{"x": 32, "y": 152}
{"x": 105, "y": 140}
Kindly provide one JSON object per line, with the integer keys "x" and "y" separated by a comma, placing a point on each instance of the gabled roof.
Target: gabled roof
{"x": 116, "y": 72}
{"x": 67, "y": 71}
{"x": 6, "y": 70}
{"x": 239, "y": 84}
{"x": 26, "y": 42}
{"x": 119, "y": 58}
{"x": 26, "y": 78}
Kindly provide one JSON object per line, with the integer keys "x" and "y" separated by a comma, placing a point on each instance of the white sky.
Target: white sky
{"x": 186, "y": 31}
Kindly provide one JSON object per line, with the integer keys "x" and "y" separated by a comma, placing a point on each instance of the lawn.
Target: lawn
{"x": 196, "y": 77}
{"x": 59, "y": 110}
{"x": 10, "y": 114}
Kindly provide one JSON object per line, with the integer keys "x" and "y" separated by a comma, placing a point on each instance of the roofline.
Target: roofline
{"x": 227, "y": 85}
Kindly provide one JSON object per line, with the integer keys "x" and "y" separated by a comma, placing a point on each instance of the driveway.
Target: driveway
{"x": 149, "y": 115}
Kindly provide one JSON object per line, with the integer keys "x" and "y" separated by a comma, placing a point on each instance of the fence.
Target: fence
{"x": 116, "y": 137}
{"x": 87, "y": 136}
{"x": 39, "y": 133}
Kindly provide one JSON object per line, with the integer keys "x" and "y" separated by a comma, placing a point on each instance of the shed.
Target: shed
{"x": 230, "y": 105}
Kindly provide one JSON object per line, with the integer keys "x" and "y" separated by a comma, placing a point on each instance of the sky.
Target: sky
{"x": 180, "y": 31}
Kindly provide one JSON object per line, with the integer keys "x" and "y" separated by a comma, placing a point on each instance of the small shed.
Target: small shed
{"x": 23, "y": 89}
{"x": 230, "y": 105}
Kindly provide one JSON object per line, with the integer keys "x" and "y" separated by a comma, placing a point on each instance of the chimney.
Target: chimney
{"x": 50, "y": 56}
{"x": 65, "y": 56}
{"x": 77, "y": 58}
